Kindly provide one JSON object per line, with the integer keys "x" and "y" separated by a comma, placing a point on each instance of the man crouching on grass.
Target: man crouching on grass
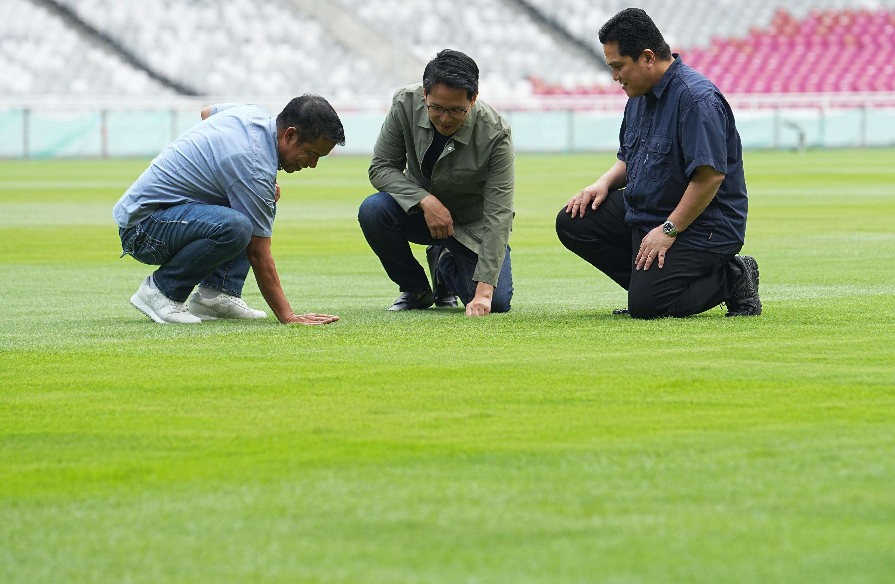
{"x": 443, "y": 165}
{"x": 203, "y": 211}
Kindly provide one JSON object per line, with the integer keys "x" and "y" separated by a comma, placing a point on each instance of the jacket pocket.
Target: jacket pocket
{"x": 468, "y": 181}
{"x": 657, "y": 165}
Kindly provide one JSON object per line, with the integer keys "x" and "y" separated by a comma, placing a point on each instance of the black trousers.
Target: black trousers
{"x": 691, "y": 281}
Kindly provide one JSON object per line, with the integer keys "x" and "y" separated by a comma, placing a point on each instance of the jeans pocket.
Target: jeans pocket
{"x": 127, "y": 236}
{"x": 142, "y": 247}
{"x": 154, "y": 252}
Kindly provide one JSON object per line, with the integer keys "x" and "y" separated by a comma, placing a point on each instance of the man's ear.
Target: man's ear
{"x": 290, "y": 134}
{"x": 474, "y": 97}
{"x": 649, "y": 55}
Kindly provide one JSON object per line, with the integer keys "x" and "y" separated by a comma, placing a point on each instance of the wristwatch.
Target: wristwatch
{"x": 668, "y": 228}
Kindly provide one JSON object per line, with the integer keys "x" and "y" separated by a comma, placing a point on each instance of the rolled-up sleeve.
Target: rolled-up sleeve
{"x": 389, "y": 162}
{"x": 217, "y": 108}
{"x": 254, "y": 199}
{"x": 622, "y": 151}
{"x": 703, "y": 132}
{"x": 498, "y": 211}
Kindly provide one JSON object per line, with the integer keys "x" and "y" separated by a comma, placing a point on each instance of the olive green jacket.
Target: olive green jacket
{"x": 474, "y": 176}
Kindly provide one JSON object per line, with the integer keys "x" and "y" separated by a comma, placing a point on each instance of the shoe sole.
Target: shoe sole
{"x": 393, "y": 309}
{"x": 138, "y": 303}
{"x": 752, "y": 264}
{"x": 209, "y": 317}
{"x": 204, "y": 317}
{"x": 145, "y": 309}
{"x": 198, "y": 311}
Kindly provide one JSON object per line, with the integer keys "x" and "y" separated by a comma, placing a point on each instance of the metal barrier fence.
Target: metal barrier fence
{"x": 46, "y": 128}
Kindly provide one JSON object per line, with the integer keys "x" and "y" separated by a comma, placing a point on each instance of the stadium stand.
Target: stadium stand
{"x": 508, "y": 45}
{"x": 524, "y": 47}
{"x": 41, "y": 55}
{"x": 831, "y": 51}
{"x": 230, "y": 47}
{"x": 754, "y": 52}
{"x": 691, "y": 23}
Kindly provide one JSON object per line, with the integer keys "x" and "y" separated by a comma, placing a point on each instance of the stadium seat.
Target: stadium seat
{"x": 512, "y": 50}
{"x": 269, "y": 48}
{"x": 230, "y": 47}
{"x": 41, "y": 55}
{"x": 770, "y": 47}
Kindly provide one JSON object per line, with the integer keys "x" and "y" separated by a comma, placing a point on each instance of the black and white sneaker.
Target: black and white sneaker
{"x": 745, "y": 301}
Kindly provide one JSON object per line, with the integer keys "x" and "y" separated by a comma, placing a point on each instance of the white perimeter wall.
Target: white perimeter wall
{"x": 44, "y": 129}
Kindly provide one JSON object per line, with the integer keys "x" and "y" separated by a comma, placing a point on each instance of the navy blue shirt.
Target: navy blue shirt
{"x": 684, "y": 123}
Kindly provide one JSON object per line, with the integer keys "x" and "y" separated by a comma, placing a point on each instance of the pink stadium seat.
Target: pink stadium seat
{"x": 828, "y": 51}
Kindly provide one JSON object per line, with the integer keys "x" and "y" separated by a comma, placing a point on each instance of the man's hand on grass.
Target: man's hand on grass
{"x": 311, "y": 319}
{"x": 480, "y": 305}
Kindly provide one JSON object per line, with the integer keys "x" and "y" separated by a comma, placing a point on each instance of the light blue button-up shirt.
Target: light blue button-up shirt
{"x": 230, "y": 159}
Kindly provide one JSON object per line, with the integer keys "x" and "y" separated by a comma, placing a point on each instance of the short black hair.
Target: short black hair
{"x": 635, "y": 32}
{"x": 313, "y": 117}
{"x": 454, "y": 69}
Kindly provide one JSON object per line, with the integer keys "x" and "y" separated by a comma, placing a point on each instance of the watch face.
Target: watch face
{"x": 668, "y": 228}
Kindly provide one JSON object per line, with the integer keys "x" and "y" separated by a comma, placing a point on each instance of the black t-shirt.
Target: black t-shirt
{"x": 438, "y": 143}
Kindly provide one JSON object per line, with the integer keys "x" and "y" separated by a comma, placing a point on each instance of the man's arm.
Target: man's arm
{"x": 390, "y": 161}
{"x": 700, "y": 192}
{"x": 268, "y": 280}
{"x": 387, "y": 174}
{"x": 498, "y": 215}
{"x": 595, "y": 194}
{"x": 703, "y": 128}
{"x": 210, "y": 110}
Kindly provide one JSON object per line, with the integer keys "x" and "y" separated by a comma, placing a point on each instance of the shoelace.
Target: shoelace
{"x": 238, "y": 302}
{"x": 179, "y": 307}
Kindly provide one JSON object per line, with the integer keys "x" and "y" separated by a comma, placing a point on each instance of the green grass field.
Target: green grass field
{"x": 556, "y": 443}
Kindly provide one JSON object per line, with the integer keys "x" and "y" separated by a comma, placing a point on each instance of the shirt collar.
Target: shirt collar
{"x": 666, "y": 77}
{"x": 272, "y": 128}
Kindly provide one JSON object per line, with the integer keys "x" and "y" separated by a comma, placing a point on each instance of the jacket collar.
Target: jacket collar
{"x": 463, "y": 133}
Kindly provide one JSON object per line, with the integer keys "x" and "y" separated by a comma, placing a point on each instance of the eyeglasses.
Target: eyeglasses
{"x": 456, "y": 112}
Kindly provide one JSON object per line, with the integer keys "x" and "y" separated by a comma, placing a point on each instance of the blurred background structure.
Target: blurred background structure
{"x": 124, "y": 77}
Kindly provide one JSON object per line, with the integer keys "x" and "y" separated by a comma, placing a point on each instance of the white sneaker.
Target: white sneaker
{"x": 151, "y": 302}
{"x": 222, "y": 306}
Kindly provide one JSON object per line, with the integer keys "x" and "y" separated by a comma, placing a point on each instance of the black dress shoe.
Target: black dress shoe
{"x": 444, "y": 298}
{"x": 411, "y": 300}
{"x": 745, "y": 300}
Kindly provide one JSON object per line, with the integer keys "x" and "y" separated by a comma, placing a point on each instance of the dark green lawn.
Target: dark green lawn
{"x": 556, "y": 443}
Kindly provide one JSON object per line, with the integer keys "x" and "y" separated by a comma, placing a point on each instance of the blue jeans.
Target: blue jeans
{"x": 192, "y": 244}
{"x": 390, "y": 230}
